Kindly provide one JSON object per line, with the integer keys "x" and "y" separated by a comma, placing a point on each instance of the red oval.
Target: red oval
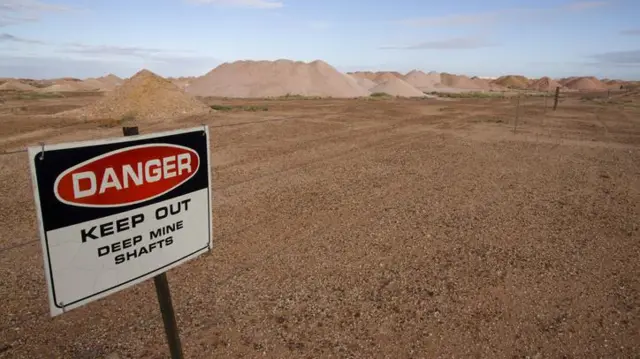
{"x": 127, "y": 176}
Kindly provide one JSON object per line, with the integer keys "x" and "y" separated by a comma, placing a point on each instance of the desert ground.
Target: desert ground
{"x": 370, "y": 228}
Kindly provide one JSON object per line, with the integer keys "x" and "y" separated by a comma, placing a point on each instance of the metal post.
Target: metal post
{"x": 555, "y": 103}
{"x": 164, "y": 295}
{"x": 515, "y": 124}
{"x": 168, "y": 316}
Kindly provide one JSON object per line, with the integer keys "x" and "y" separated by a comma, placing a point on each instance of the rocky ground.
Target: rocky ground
{"x": 367, "y": 228}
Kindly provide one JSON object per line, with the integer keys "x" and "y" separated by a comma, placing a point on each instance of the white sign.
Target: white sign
{"x": 113, "y": 213}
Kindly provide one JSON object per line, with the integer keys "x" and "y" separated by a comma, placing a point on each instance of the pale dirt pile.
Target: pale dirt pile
{"x": 385, "y": 76}
{"x": 65, "y": 80}
{"x": 565, "y": 80}
{"x": 422, "y": 81}
{"x": 397, "y": 87}
{"x": 512, "y": 81}
{"x": 145, "y": 96}
{"x": 545, "y": 84}
{"x": 364, "y": 82}
{"x": 93, "y": 84}
{"x": 585, "y": 83}
{"x": 363, "y": 75}
{"x": 104, "y": 83}
{"x": 181, "y": 82}
{"x": 111, "y": 79}
{"x": 487, "y": 84}
{"x": 459, "y": 82}
{"x": 251, "y": 79}
{"x": 15, "y": 85}
{"x": 71, "y": 86}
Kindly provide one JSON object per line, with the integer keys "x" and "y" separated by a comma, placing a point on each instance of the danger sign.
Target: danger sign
{"x": 116, "y": 212}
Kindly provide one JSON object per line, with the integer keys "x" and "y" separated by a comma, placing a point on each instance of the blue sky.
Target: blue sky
{"x": 82, "y": 38}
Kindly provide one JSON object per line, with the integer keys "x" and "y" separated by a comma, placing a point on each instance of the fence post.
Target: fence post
{"x": 555, "y": 102}
{"x": 515, "y": 124}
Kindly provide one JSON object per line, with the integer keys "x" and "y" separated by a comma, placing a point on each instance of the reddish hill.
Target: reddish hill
{"x": 544, "y": 84}
{"x": 585, "y": 83}
{"x": 512, "y": 81}
{"x": 460, "y": 82}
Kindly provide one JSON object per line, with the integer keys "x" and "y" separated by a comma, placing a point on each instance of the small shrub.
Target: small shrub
{"x": 255, "y": 108}
{"x": 221, "y": 107}
{"x": 37, "y": 95}
{"x": 380, "y": 94}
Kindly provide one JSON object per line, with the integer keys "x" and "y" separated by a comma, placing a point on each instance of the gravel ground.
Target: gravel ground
{"x": 382, "y": 228}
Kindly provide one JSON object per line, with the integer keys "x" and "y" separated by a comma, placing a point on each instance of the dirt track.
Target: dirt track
{"x": 383, "y": 228}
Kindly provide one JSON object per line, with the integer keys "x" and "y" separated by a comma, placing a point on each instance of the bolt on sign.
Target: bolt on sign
{"x": 113, "y": 213}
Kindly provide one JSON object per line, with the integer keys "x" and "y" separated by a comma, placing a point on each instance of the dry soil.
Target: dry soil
{"x": 402, "y": 228}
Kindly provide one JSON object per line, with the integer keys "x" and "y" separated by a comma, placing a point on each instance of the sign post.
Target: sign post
{"x": 113, "y": 213}
{"x": 164, "y": 295}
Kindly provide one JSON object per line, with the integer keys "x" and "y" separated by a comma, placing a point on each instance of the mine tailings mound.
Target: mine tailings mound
{"x": 422, "y": 81}
{"x": 145, "y": 96}
{"x": 251, "y": 79}
{"x": 545, "y": 84}
{"x": 364, "y": 82}
{"x": 68, "y": 86}
{"x": 13, "y": 85}
{"x": 585, "y": 83}
{"x": 512, "y": 82}
{"x": 460, "y": 82}
{"x": 397, "y": 87}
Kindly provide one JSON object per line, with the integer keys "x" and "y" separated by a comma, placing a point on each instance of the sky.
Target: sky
{"x": 489, "y": 38}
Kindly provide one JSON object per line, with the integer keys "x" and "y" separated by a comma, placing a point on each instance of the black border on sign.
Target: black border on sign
{"x": 33, "y": 152}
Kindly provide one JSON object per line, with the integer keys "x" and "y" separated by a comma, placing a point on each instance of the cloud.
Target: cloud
{"x": 136, "y": 51}
{"x": 516, "y": 14}
{"x": 625, "y": 58}
{"x": 20, "y": 11}
{"x": 11, "y": 38}
{"x": 455, "y": 20}
{"x": 457, "y": 43}
{"x": 257, "y": 4}
{"x": 631, "y": 32}
{"x": 63, "y": 66}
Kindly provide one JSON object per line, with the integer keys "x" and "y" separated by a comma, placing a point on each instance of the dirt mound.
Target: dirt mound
{"x": 145, "y": 96}
{"x": 92, "y": 84}
{"x": 422, "y": 81}
{"x": 69, "y": 86}
{"x": 364, "y": 82}
{"x": 486, "y": 84}
{"x": 397, "y": 87}
{"x": 512, "y": 81}
{"x": 459, "y": 82}
{"x": 111, "y": 79}
{"x": 544, "y": 84}
{"x": 363, "y": 75}
{"x": 274, "y": 79}
{"x": 585, "y": 83}
{"x": 385, "y": 76}
{"x": 14, "y": 85}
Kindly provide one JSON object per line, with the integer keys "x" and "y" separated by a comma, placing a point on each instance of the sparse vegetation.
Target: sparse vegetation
{"x": 255, "y": 108}
{"x": 297, "y": 97}
{"x": 380, "y": 94}
{"x": 488, "y": 94}
{"x": 472, "y": 94}
{"x": 221, "y": 107}
{"x": 227, "y": 108}
{"x": 31, "y": 95}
